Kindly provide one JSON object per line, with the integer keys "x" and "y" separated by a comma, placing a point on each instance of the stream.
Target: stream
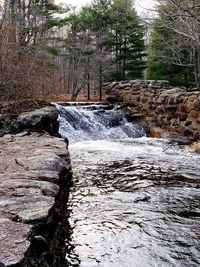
{"x": 135, "y": 200}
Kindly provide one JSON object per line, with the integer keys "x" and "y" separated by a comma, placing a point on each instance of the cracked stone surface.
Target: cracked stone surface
{"x": 29, "y": 172}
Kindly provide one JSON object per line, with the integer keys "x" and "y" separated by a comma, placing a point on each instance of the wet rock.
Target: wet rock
{"x": 40, "y": 120}
{"x": 178, "y": 139}
{"x": 134, "y": 116}
{"x": 31, "y": 169}
{"x": 39, "y": 243}
{"x": 157, "y": 132}
{"x": 44, "y": 119}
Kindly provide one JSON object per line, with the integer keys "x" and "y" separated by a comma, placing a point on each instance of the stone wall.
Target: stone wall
{"x": 173, "y": 109}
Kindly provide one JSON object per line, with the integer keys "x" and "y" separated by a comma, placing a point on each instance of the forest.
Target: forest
{"x": 99, "y": 133}
{"x": 48, "y": 49}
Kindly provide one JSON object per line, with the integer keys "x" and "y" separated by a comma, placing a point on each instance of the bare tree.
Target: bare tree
{"x": 25, "y": 67}
{"x": 182, "y": 19}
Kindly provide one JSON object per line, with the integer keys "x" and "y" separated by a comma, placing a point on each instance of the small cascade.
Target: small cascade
{"x": 134, "y": 201}
{"x": 92, "y": 122}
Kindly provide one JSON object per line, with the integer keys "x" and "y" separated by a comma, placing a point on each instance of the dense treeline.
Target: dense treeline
{"x": 104, "y": 42}
{"x": 46, "y": 48}
{"x": 101, "y": 42}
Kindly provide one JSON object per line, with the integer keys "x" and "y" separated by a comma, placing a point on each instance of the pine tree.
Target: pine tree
{"x": 127, "y": 41}
{"x": 112, "y": 44}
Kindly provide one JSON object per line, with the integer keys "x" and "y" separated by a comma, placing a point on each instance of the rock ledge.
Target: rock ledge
{"x": 35, "y": 177}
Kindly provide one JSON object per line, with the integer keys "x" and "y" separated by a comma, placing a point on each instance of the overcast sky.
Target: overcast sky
{"x": 141, "y": 5}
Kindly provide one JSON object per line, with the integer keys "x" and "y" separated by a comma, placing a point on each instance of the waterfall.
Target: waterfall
{"x": 133, "y": 202}
{"x": 95, "y": 122}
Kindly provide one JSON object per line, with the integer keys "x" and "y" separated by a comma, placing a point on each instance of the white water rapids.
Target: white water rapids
{"x": 135, "y": 200}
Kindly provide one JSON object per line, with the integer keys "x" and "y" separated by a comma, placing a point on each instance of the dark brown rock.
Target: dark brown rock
{"x": 181, "y": 116}
{"x": 184, "y": 109}
{"x": 187, "y": 133}
{"x": 188, "y": 123}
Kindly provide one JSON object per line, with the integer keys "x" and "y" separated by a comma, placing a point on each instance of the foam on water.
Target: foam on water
{"x": 93, "y": 122}
{"x": 135, "y": 200}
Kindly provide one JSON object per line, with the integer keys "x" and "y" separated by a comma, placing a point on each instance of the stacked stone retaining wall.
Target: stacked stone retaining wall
{"x": 173, "y": 109}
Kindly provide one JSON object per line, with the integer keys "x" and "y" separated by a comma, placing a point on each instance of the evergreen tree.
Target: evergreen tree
{"x": 97, "y": 19}
{"x": 110, "y": 43}
{"x": 117, "y": 30}
{"x": 127, "y": 41}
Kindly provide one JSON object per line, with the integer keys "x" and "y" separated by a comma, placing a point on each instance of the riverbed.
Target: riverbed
{"x": 134, "y": 203}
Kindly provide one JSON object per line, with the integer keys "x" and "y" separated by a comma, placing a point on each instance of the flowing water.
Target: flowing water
{"x": 135, "y": 200}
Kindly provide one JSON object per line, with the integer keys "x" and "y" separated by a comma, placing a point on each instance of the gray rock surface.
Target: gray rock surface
{"x": 12, "y": 253}
{"x": 40, "y": 120}
{"x": 30, "y": 166}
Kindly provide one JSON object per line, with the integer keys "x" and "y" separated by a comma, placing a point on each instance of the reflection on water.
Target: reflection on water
{"x": 134, "y": 204}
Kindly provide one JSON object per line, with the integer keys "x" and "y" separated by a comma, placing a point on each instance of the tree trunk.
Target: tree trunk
{"x": 124, "y": 62}
{"x": 100, "y": 80}
{"x": 197, "y": 68}
{"x": 186, "y": 77}
{"x": 88, "y": 86}
{"x": 74, "y": 96}
{"x": 198, "y": 81}
{"x": 117, "y": 51}
{"x": 88, "y": 77}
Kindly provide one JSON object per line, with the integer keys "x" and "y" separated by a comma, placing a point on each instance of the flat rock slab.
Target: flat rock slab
{"x": 29, "y": 173}
{"x": 13, "y": 240}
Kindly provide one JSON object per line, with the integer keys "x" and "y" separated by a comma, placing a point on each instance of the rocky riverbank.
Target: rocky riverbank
{"x": 42, "y": 119}
{"x": 35, "y": 177}
{"x": 161, "y": 106}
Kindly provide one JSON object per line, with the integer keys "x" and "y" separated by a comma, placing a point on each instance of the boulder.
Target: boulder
{"x": 40, "y": 120}
{"x": 44, "y": 119}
